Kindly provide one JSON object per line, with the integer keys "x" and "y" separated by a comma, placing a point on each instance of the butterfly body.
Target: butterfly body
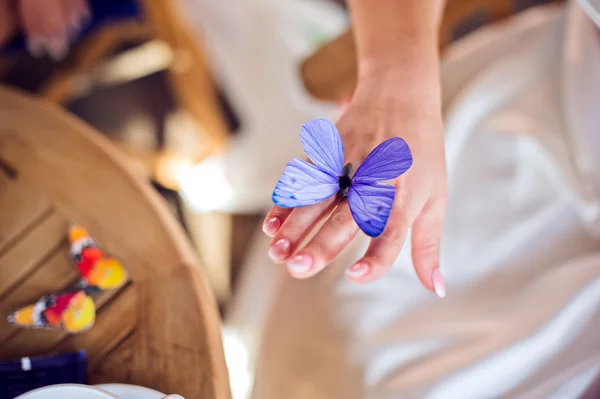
{"x": 370, "y": 201}
{"x": 345, "y": 180}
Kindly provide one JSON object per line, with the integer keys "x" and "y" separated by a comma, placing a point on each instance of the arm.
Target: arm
{"x": 399, "y": 38}
{"x": 385, "y": 26}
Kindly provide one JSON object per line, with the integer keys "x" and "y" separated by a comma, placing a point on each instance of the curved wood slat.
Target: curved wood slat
{"x": 95, "y": 186}
{"x": 116, "y": 365}
{"x": 170, "y": 344}
{"x": 40, "y": 342}
{"x": 24, "y": 256}
{"x": 56, "y": 274}
{"x": 78, "y": 176}
{"x": 20, "y": 207}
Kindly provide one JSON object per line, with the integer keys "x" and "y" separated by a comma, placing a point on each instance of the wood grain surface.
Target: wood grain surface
{"x": 162, "y": 329}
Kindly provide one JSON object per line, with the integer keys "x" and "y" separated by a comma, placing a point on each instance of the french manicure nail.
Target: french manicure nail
{"x": 279, "y": 250}
{"x": 438, "y": 283}
{"x": 73, "y": 30}
{"x": 300, "y": 264}
{"x": 35, "y": 47}
{"x": 357, "y": 270}
{"x": 271, "y": 226}
{"x": 86, "y": 18}
{"x": 57, "y": 49}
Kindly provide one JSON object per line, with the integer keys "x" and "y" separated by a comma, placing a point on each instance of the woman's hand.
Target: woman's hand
{"x": 393, "y": 98}
{"x": 50, "y": 25}
{"x": 7, "y": 22}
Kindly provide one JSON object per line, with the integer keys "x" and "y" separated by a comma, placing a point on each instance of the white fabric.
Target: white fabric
{"x": 592, "y": 9}
{"x": 256, "y": 47}
{"x": 520, "y": 253}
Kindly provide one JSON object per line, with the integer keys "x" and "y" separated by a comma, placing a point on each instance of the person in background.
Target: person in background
{"x": 49, "y": 25}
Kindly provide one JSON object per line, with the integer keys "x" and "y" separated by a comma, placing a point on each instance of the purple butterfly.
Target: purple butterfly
{"x": 370, "y": 203}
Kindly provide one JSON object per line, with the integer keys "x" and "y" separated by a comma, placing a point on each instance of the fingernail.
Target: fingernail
{"x": 300, "y": 264}
{"x": 35, "y": 47}
{"x": 279, "y": 250}
{"x": 357, "y": 270}
{"x": 438, "y": 283}
{"x": 86, "y": 18}
{"x": 57, "y": 49}
{"x": 73, "y": 29}
{"x": 271, "y": 226}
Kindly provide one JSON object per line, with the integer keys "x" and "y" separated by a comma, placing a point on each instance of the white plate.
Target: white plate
{"x": 125, "y": 391}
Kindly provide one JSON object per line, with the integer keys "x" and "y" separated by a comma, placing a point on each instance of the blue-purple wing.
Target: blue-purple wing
{"x": 323, "y": 145}
{"x": 370, "y": 205}
{"x": 303, "y": 184}
{"x": 387, "y": 161}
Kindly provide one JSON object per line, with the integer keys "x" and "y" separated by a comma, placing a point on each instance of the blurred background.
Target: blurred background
{"x": 206, "y": 99}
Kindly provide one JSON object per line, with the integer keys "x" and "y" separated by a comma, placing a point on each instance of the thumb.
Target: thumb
{"x": 426, "y": 237}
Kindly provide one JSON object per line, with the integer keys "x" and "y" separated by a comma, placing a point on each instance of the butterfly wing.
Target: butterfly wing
{"x": 387, "y": 161}
{"x": 303, "y": 184}
{"x": 107, "y": 274}
{"x": 370, "y": 205}
{"x": 71, "y": 312}
{"x": 79, "y": 314}
{"x": 97, "y": 268}
{"x": 323, "y": 145}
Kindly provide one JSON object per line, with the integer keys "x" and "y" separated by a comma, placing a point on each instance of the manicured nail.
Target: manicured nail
{"x": 57, "y": 49}
{"x": 35, "y": 47}
{"x": 73, "y": 29}
{"x": 358, "y": 270}
{"x": 279, "y": 250}
{"x": 271, "y": 226}
{"x": 86, "y": 18}
{"x": 300, "y": 264}
{"x": 438, "y": 283}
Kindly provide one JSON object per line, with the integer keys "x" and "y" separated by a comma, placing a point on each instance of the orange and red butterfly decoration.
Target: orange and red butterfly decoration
{"x": 74, "y": 310}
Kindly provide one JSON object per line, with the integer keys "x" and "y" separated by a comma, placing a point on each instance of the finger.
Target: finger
{"x": 79, "y": 17}
{"x": 32, "y": 26}
{"x": 426, "y": 237}
{"x": 7, "y": 22}
{"x": 73, "y": 14}
{"x": 55, "y": 29}
{"x": 296, "y": 227}
{"x": 86, "y": 11}
{"x": 81, "y": 9}
{"x": 383, "y": 250}
{"x": 335, "y": 234}
{"x": 274, "y": 219}
{"x": 54, "y": 22}
{"x": 28, "y": 14}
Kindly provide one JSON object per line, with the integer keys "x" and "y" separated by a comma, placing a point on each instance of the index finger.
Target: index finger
{"x": 382, "y": 251}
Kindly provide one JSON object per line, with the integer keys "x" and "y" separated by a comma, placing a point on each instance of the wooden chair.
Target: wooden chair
{"x": 330, "y": 73}
{"x": 164, "y": 42}
{"x": 168, "y": 44}
{"x": 162, "y": 329}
